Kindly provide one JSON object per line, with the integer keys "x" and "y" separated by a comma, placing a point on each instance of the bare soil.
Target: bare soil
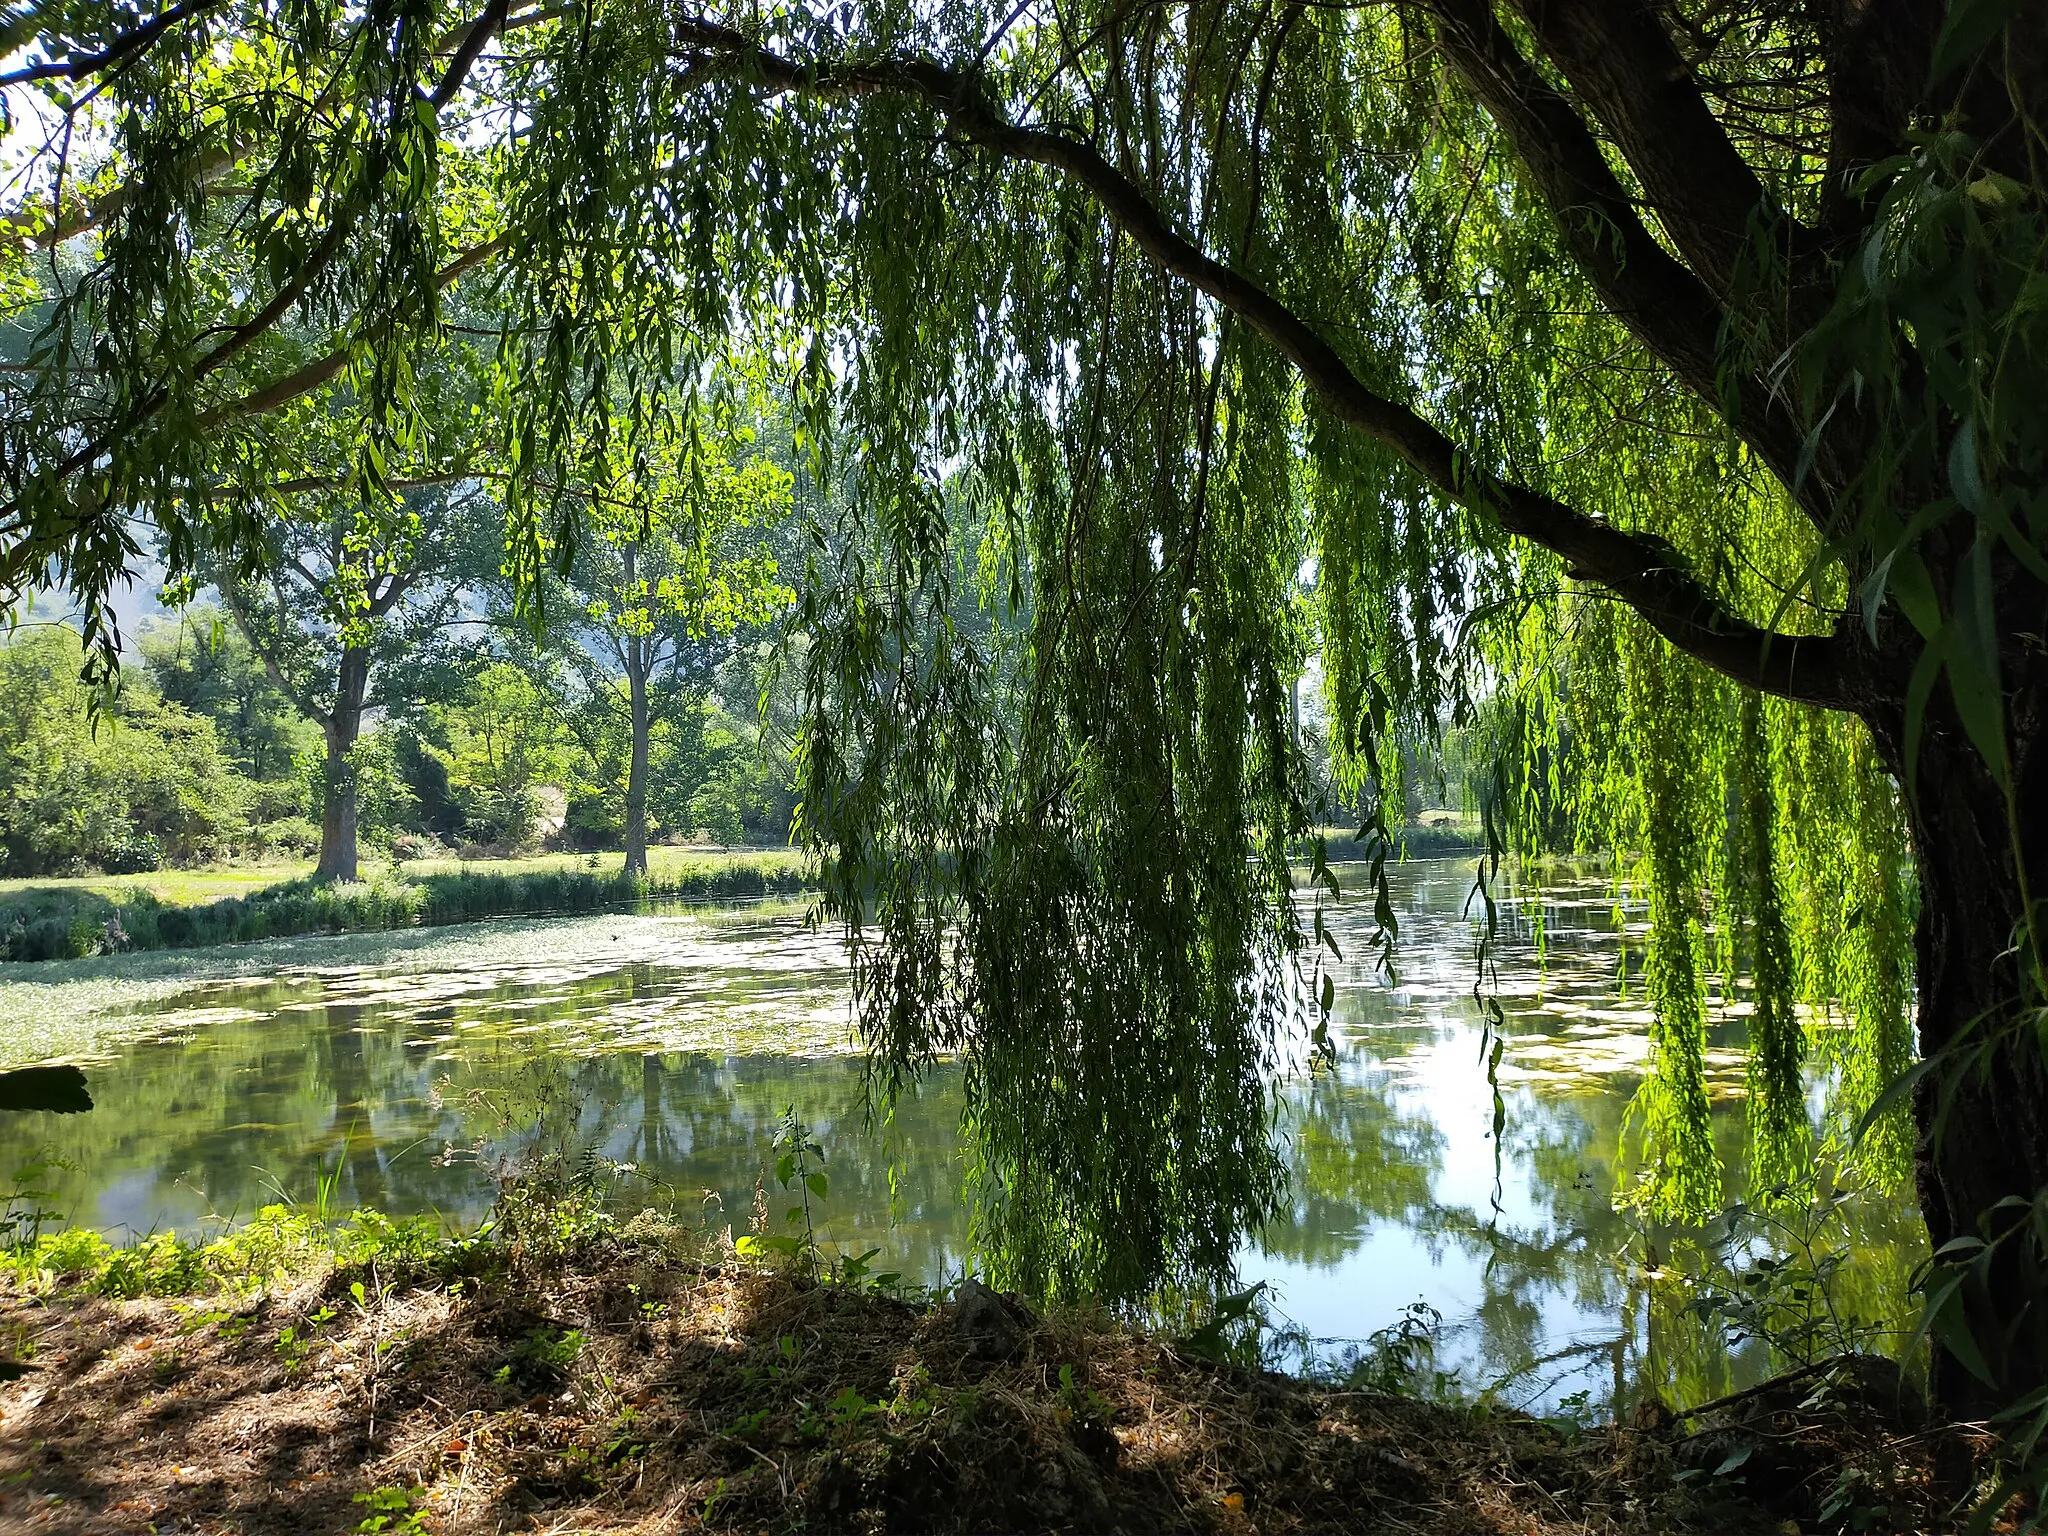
{"x": 632, "y": 1392}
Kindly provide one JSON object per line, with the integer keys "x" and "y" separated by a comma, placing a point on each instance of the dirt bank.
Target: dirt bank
{"x": 633, "y": 1392}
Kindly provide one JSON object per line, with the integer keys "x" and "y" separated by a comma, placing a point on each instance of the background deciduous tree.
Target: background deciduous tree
{"x": 355, "y": 608}
{"x": 672, "y": 563}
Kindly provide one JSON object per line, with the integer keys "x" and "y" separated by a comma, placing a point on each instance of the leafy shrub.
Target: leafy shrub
{"x": 201, "y": 662}
{"x": 60, "y": 923}
{"x": 280, "y": 1245}
{"x": 288, "y": 834}
{"x": 76, "y": 1251}
{"x": 594, "y": 818}
{"x": 417, "y": 845}
{"x": 503, "y": 744}
{"x": 159, "y": 1265}
{"x": 78, "y": 790}
{"x": 707, "y": 772}
{"x": 496, "y": 818}
{"x": 716, "y": 808}
{"x": 394, "y": 1509}
{"x": 132, "y": 853}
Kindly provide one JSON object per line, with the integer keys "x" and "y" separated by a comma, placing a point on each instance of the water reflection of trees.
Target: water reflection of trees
{"x": 1355, "y": 1157}
{"x": 245, "y": 1112}
{"x": 694, "y": 1124}
{"x": 360, "y": 1079}
{"x": 1364, "y": 1151}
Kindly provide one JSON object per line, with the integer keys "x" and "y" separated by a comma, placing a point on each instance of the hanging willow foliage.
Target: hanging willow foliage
{"x": 1608, "y": 365}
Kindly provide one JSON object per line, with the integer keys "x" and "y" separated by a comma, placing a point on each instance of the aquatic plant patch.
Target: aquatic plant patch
{"x": 83, "y": 1010}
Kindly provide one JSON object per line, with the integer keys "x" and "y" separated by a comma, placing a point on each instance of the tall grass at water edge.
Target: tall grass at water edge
{"x": 65, "y": 923}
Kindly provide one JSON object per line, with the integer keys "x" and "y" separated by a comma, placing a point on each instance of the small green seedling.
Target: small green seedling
{"x": 391, "y": 1508}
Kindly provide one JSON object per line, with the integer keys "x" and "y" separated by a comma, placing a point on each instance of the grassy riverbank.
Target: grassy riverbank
{"x": 293, "y": 1379}
{"x": 1450, "y": 837}
{"x": 67, "y": 919}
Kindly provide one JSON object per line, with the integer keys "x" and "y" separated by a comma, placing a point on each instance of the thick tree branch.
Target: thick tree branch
{"x": 481, "y": 31}
{"x": 295, "y": 287}
{"x": 37, "y": 229}
{"x": 515, "y": 21}
{"x": 1876, "y": 60}
{"x": 231, "y": 594}
{"x": 306, "y": 379}
{"x": 1642, "y": 571}
{"x": 79, "y": 65}
{"x": 308, "y": 483}
{"x": 1622, "y": 64}
{"x": 1660, "y": 299}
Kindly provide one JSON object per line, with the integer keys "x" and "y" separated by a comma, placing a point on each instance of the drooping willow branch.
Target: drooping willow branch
{"x": 1641, "y": 569}
{"x": 304, "y": 380}
{"x": 1644, "y": 571}
{"x": 137, "y": 40}
{"x": 287, "y": 294}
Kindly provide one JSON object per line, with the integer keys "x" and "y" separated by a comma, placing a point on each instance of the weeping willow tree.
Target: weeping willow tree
{"x": 1661, "y": 375}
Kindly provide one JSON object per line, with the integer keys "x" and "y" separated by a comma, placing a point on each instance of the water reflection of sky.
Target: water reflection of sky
{"x": 675, "y": 1042}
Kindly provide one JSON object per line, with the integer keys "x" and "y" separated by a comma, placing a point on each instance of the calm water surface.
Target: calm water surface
{"x": 674, "y": 1042}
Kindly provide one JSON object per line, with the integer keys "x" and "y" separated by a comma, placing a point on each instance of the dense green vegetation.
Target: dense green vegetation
{"x": 75, "y": 920}
{"x": 1643, "y": 396}
{"x": 202, "y": 758}
{"x": 152, "y": 782}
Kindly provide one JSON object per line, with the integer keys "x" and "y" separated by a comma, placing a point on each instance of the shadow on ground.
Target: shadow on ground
{"x": 634, "y": 1391}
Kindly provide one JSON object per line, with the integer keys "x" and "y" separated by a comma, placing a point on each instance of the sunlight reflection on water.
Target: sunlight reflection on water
{"x": 679, "y": 1038}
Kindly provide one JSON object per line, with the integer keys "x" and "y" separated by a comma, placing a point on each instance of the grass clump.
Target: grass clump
{"x": 278, "y": 1248}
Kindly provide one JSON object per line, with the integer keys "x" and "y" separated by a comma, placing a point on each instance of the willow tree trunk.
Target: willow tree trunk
{"x": 343, "y": 725}
{"x": 636, "y": 771}
{"x": 1981, "y": 1107}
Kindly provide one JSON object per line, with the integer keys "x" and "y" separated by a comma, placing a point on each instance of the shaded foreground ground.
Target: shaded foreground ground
{"x": 633, "y": 1391}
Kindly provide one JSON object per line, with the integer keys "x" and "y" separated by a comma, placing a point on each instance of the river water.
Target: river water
{"x": 396, "y": 1069}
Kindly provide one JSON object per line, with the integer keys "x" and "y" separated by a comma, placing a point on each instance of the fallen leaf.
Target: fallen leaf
{"x": 1234, "y": 1502}
{"x": 456, "y": 1447}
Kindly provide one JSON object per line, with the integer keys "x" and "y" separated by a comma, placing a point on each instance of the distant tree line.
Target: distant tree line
{"x": 499, "y": 744}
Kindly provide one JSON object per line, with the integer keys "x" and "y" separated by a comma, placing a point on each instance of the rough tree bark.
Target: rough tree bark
{"x": 342, "y": 726}
{"x": 636, "y": 772}
{"x": 1981, "y": 1110}
{"x": 633, "y": 651}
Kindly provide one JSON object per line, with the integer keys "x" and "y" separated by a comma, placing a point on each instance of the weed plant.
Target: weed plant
{"x": 1779, "y": 1270}
{"x": 279, "y": 1246}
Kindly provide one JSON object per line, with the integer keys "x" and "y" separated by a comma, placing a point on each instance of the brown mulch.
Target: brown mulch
{"x": 633, "y": 1393}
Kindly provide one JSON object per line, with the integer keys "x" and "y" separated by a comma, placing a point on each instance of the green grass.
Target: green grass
{"x": 171, "y": 887}
{"x": 1463, "y": 835}
{"x": 662, "y": 862}
{"x": 197, "y": 887}
{"x": 67, "y": 919}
